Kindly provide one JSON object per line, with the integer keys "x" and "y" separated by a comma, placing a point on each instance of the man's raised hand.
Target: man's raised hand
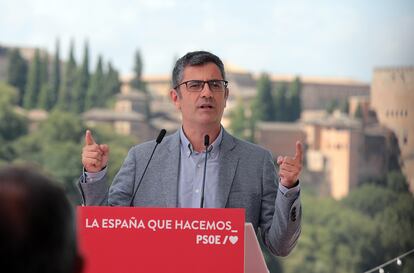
{"x": 290, "y": 167}
{"x": 94, "y": 156}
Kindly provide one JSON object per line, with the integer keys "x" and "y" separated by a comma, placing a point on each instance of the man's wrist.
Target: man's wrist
{"x": 91, "y": 176}
{"x": 292, "y": 191}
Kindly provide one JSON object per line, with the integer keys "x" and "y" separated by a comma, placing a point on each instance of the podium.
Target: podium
{"x": 132, "y": 240}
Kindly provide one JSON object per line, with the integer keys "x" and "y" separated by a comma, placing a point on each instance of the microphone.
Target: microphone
{"x": 206, "y": 144}
{"x": 158, "y": 141}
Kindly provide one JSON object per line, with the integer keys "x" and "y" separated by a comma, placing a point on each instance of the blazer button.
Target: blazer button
{"x": 293, "y": 214}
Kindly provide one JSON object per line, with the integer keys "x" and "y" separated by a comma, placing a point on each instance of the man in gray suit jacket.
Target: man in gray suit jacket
{"x": 239, "y": 174}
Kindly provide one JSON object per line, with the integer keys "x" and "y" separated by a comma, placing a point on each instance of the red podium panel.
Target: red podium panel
{"x": 130, "y": 240}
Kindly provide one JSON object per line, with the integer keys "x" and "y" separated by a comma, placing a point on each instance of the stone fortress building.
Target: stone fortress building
{"x": 392, "y": 98}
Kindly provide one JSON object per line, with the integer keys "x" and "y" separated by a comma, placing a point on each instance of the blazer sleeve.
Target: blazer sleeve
{"x": 280, "y": 221}
{"x": 93, "y": 193}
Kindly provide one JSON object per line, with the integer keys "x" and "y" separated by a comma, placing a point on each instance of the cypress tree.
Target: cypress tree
{"x": 45, "y": 97}
{"x": 69, "y": 78}
{"x": 358, "y": 113}
{"x": 33, "y": 83}
{"x": 94, "y": 96}
{"x": 138, "y": 68}
{"x": 238, "y": 120}
{"x": 112, "y": 83}
{"x": 17, "y": 73}
{"x": 293, "y": 100}
{"x": 44, "y": 68}
{"x": 264, "y": 105}
{"x": 82, "y": 83}
{"x": 55, "y": 78}
{"x": 43, "y": 101}
{"x": 280, "y": 103}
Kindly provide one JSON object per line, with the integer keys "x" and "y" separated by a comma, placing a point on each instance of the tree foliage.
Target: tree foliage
{"x": 56, "y": 147}
{"x": 238, "y": 120}
{"x": 81, "y": 84}
{"x": 34, "y": 82}
{"x": 138, "y": 69}
{"x": 294, "y": 107}
{"x": 67, "y": 86}
{"x": 94, "y": 95}
{"x": 17, "y": 72}
{"x": 372, "y": 225}
{"x": 12, "y": 125}
{"x": 264, "y": 108}
{"x": 280, "y": 102}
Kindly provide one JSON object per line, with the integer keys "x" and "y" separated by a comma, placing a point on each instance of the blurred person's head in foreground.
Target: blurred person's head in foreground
{"x": 37, "y": 227}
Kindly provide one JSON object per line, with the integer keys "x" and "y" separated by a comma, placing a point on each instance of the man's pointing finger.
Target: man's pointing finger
{"x": 299, "y": 151}
{"x": 88, "y": 138}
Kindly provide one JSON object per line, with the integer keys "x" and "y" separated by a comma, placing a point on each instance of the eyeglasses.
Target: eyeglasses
{"x": 197, "y": 86}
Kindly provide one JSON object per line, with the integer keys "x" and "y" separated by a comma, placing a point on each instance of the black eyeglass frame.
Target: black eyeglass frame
{"x": 209, "y": 82}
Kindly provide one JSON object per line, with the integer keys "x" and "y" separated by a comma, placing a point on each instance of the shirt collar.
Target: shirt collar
{"x": 213, "y": 149}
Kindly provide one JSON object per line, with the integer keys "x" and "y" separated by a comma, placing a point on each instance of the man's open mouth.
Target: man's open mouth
{"x": 205, "y": 106}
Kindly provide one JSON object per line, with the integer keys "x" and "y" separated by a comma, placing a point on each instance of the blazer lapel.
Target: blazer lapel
{"x": 170, "y": 171}
{"x": 228, "y": 165}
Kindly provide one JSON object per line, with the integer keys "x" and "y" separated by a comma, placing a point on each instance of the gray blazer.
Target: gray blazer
{"x": 247, "y": 178}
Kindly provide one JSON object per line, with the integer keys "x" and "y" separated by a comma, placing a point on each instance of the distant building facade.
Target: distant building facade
{"x": 392, "y": 97}
{"x": 129, "y": 116}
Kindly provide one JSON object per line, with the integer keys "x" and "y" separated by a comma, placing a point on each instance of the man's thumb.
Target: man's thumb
{"x": 88, "y": 138}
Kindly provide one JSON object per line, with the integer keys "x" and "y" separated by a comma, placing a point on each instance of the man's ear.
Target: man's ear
{"x": 226, "y": 96}
{"x": 226, "y": 93}
{"x": 175, "y": 98}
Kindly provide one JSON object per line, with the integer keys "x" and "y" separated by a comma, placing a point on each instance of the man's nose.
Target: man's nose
{"x": 206, "y": 91}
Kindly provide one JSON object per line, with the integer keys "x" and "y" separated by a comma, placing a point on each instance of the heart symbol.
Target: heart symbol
{"x": 233, "y": 239}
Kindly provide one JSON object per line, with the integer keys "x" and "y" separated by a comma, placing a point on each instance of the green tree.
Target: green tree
{"x": 68, "y": 83}
{"x": 112, "y": 84}
{"x": 82, "y": 83}
{"x": 9, "y": 95}
{"x": 45, "y": 97}
{"x": 358, "y": 113}
{"x": 12, "y": 125}
{"x": 395, "y": 228}
{"x": 334, "y": 239}
{"x": 138, "y": 68}
{"x": 55, "y": 78}
{"x": 294, "y": 100}
{"x": 44, "y": 68}
{"x": 280, "y": 102}
{"x": 94, "y": 96}
{"x": 344, "y": 106}
{"x": 33, "y": 82}
{"x": 264, "y": 106}
{"x": 62, "y": 126}
{"x": 17, "y": 72}
{"x": 56, "y": 146}
{"x": 331, "y": 106}
{"x": 397, "y": 182}
{"x": 238, "y": 120}
{"x": 370, "y": 199}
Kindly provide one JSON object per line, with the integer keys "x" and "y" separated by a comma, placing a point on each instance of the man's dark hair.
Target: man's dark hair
{"x": 194, "y": 59}
{"x": 37, "y": 229}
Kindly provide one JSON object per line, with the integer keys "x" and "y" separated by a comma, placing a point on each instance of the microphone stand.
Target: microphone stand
{"x": 158, "y": 141}
{"x": 206, "y": 144}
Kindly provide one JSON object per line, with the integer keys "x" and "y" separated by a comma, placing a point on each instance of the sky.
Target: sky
{"x": 307, "y": 38}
